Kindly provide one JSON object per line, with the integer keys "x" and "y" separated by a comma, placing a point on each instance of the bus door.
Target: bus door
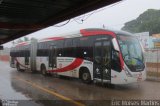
{"x": 26, "y": 56}
{"x": 52, "y": 57}
{"x": 102, "y": 61}
{"x": 26, "y": 60}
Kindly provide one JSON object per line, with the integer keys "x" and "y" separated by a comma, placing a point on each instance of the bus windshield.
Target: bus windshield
{"x": 131, "y": 52}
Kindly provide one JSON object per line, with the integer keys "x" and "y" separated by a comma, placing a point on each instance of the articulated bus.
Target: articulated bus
{"x": 98, "y": 55}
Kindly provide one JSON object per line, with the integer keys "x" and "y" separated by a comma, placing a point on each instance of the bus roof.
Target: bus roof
{"x": 79, "y": 33}
{"x": 82, "y": 32}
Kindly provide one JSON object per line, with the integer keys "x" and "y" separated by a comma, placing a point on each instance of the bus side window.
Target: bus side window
{"x": 68, "y": 48}
{"x": 59, "y": 48}
{"x": 75, "y": 46}
{"x": 85, "y": 50}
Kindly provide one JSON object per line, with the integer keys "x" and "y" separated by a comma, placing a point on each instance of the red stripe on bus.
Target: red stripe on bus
{"x": 76, "y": 63}
{"x": 121, "y": 61}
{"x": 22, "y": 44}
{"x": 121, "y": 58}
{"x": 54, "y": 38}
{"x": 96, "y": 32}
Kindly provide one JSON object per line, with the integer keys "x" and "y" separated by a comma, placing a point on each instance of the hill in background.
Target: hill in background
{"x": 147, "y": 21}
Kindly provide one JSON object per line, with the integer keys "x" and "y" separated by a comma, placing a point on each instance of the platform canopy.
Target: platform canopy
{"x": 21, "y": 17}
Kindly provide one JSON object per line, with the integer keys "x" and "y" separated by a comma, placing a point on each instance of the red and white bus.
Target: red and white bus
{"x": 97, "y": 55}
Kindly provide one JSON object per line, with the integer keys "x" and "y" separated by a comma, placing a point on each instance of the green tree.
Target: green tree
{"x": 26, "y": 38}
{"x": 147, "y": 21}
{"x": 19, "y": 40}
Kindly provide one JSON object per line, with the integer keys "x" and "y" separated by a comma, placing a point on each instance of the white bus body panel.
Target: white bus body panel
{"x": 66, "y": 61}
{"x": 63, "y": 62}
{"x": 40, "y": 61}
{"x": 123, "y": 78}
{"x": 21, "y": 62}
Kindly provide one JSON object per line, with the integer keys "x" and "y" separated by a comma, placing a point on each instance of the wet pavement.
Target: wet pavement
{"x": 36, "y": 90}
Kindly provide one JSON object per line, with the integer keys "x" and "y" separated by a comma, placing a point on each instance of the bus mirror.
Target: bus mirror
{"x": 115, "y": 44}
{"x": 1, "y": 47}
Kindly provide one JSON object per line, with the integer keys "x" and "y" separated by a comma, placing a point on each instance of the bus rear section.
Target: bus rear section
{"x": 20, "y": 56}
{"x": 23, "y": 56}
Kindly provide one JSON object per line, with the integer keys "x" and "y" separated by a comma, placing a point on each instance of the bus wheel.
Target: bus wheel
{"x": 43, "y": 70}
{"x": 19, "y": 69}
{"x": 85, "y": 76}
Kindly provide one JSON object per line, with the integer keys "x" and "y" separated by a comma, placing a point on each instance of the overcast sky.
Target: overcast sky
{"x": 112, "y": 16}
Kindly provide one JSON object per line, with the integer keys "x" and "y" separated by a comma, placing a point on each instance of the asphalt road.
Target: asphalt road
{"x": 27, "y": 89}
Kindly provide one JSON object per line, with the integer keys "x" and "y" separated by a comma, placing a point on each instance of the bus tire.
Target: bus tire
{"x": 18, "y": 68}
{"x": 43, "y": 70}
{"x": 85, "y": 75}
